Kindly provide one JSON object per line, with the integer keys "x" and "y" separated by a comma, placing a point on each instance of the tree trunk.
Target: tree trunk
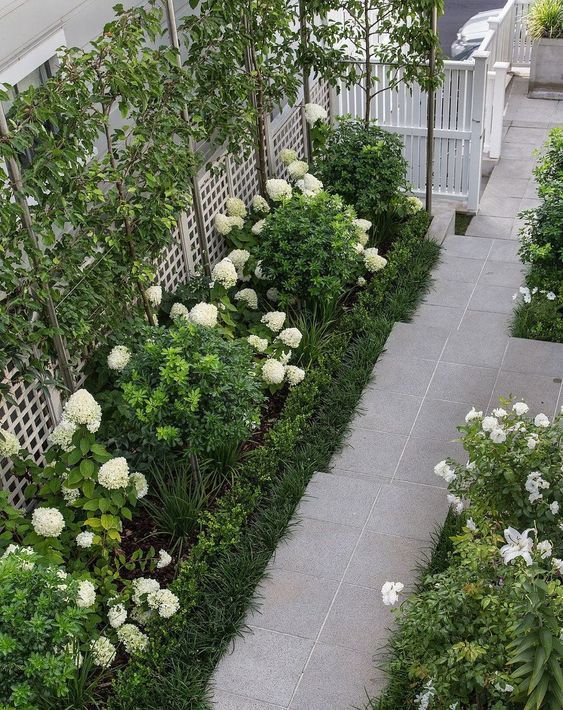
{"x": 261, "y": 157}
{"x": 306, "y": 72}
{"x": 368, "y": 67}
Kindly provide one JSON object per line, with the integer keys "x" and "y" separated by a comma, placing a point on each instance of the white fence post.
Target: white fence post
{"x": 497, "y": 112}
{"x": 477, "y": 128}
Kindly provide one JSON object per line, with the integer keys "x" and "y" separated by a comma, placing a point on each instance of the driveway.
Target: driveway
{"x": 458, "y": 12}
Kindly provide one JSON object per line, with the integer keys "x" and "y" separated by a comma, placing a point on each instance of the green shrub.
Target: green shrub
{"x": 307, "y": 249}
{"x": 541, "y": 318}
{"x": 189, "y": 387}
{"x": 545, "y": 19}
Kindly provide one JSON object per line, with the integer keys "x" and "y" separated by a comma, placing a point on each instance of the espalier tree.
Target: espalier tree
{"x": 110, "y": 171}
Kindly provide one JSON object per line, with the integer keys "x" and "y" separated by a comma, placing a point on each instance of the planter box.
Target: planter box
{"x": 546, "y": 70}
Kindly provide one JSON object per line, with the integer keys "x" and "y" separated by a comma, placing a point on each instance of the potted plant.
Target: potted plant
{"x": 545, "y": 24}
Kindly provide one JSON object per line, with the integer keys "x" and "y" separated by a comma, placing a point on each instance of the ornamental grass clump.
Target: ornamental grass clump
{"x": 545, "y": 19}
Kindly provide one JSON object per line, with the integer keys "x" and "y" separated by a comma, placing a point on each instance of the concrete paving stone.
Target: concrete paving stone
{"x": 463, "y": 383}
{"x": 484, "y": 323}
{"x": 412, "y": 340}
{"x": 467, "y": 247}
{"x": 497, "y": 206}
{"x": 534, "y": 356}
{"x": 318, "y": 548}
{"x": 386, "y": 411}
{"x": 518, "y": 151}
{"x": 503, "y": 273}
{"x": 529, "y": 203}
{"x": 502, "y": 186}
{"x": 504, "y": 250}
{"x": 421, "y": 455}
{"x": 402, "y": 374}
{"x": 480, "y": 340}
{"x": 521, "y": 166}
{"x": 515, "y": 234}
{"x": 409, "y": 510}
{"x": 292, "y": 603}
{"x": 438, "y": 419}
{"x": 460, "y": 269}
{"x": 486, "y": 226}
{"x": 338, "y": 678}
{"x": 358, "y": 619}
{"x": 369, "y": 453}
{"x": 339, "y": 499}
{"x": 380, "y": 557}
{"x": 445, "y": 292}
{"x": 526, "y": 136}
{"x": 228, "y": 701}
{"x": 497, "y": 299}
{"x": 441, "y": 316}
{"x": 540, "y": 392}
{"x": 265, "y": 666}
{"x": 531, "y": 192}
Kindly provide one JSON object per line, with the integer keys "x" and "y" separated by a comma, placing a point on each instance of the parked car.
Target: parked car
{"x": 472, "y": 33}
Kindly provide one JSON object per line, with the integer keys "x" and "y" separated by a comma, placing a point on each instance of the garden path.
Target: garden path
{"x": 371, "y": 519}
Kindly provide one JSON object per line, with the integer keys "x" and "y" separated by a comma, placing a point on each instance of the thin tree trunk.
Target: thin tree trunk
{"x": 262, "y": 159}
{"x": 368, "y": 67}
{"x": 306, "y": 72}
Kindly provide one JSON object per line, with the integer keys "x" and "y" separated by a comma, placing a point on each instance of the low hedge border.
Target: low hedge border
{"x": 217, "y": 582}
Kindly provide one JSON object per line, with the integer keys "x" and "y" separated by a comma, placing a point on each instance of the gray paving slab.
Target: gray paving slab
{"x": 421, "y": 455}
{"x": 446, "y": 317}
{"x": 446, "y": 292}
{"x": 228, "y": 701}
{"x": 496, "y": 299}
{"x": 438, "y": 419}
{"x": 502, "y": 186}
{"x": 402, "y": 374}
{"x": 499, "y": 206}
{"x": 527, "y": 136}
{"x": 386, "y": 411}
{"x": 460, "y": 269}
{"x": 506, "y": 251}
{"x": 540, "y": 392}
{"x": 503, "y": 273}
{"x": 484, "y": 225}
{"x": 534, "y": 356}
{"x": 513, "y": 150}
{"x": 412, "y": 340}
{"x": 463, "y": 383}
{"x": 467, "y": 247}
{"x": 369, "y": 453}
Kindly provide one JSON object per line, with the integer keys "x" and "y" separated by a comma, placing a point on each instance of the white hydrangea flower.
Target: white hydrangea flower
{"x": 294, "y": 375}
{"x": 86, "y": 596}
{"x": 455, "y": 503}
{"x": 390, "y": 592}
{"x": 415, "y": 203}
{"x": 114, "y": 474}
{"x": 273, "y": 371}
{"x": 520, "y": 408}
{"x": 288, "y": 155}
{"x": 259, "y": 344}
{"x": 248, "y": 296}
{"x": 314, "y": 113}
{"x": 309, "y": 185}
{"x": 498, "y": 436}
{"x": 204, "y": 314}
{"x": 9, "y": 445}
{"x": 164, "y": 559}
{"x": 361, "y": 282}
{"x": 103, "y": 652}
{"x": 141, "y": 586}
{"x": 274, "y": 320}
{"x": 445, "y": 471}
{"x": 164, "y": 602}
{"x": 272, "y": 294}
{"x": 259, "y": 204}
{"x": 473, "y": 414}
{"x": 541, "y": 420}
{"x": 235, "y": 221}
{"x": 140, "y": 484}
{"x": 373, "y": 261}
{"x": 235, "y": 207}
{"x": 154, "y": 295}
{"x": 239, "y": 257}
{"x": 140, "y": 615}
{"x": 62, "y": 435}
{"x": 117, "y": 616}
{"x": 178, "y": 310}
{"x": 363, "y": 238}
{"x": 554, "y": 507}
{"x": 119, "y": 357}
{"x": 222, "y": 224}
{"x": 545, "y": 548}
{"x": 291, "y": 337}
{"x": 278, "y": 189}
{"x": 297, "y": 169}
{"x": 258, "y": 227}
{"x": 225, "y": 273}
{"x": 47, "y": 522}
{"x": 285, "y": 357}
{"x": 489, "y": 423}
{"x": 82, "y": 408}
{"x": 134, "y": 640}
{"x": 363, "y": 225}
{"x": 358, "y": 247}
{"x": 85, "y": 539}
{"x": 70, "y": 494}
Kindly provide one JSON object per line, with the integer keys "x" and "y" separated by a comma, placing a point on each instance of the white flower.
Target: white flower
{"x": 114, "y": 474}
{"x": 9, "y": 445}
{"x": 140, "y": 484}
{"x": 455, "y": 503}
{"x": 390, "y": 592}
{"x": 86, "y": 596}
{"x": 258, "y": 270}
{"x": 414, "y": 203}
{"x": 535, "y": 483}
{"x": 358, "y": 247}
{"x": 361, "y": 281}
{"x": 164, "y": 602}
{"x": 274, "y": 320}
{"x": 500, "y": 412}
{"x": 294, "y": 375}
{"x": 545, "y": 548}
{"x": 134, "y": 640}
{"x": 489, "y": 423}
{"x": 470, "y": 523}
{"x": 62, "y": 435}
{"x": 273, "y": 371}
{"x": 363, "y": 238}
{"x": 164, "y": 559}
{"x": 259, "y": 204}
{"x": 372, "y": 261}
{"x": 239, "y": 257}
{"x": 204, "y": 314}
{"x": 526, "y": 294}
{"x": 103, "y": 652}
{"x": 248, "y": 296}
{"x": 542, "y": 421}
{"x": 119, "y": 357}
{"x": 504, "y": 687}
{"x": 291, "y": 337}
{"x": 222, "y": 223}
{"x": 117, "y": 615}
{"x": 288, "y": 155}
{"x": 554, "y": 507}
{"x": 285, "y": 357}
{"x": 314, "y": 113}
{"x": 532, "y": 441}
{"x": 518, "y": 545}
{"x": 297, "y": 169}
{"x": 154, "y": 295}
{"x": 445, "y": 471}
{"x": 225, "y": 273}
{"x": 141, "y": 586}
{"x": 258, "y": 227}
{"x": 278, "y": 189}
{"x": 520, "y": 408}
{"x": 473, "y": 414}
{"x": 85, "y": 539}
{"x": 47, "y": 522}
{"x": 363, "y": 225}
{"x": 259, "y": 344}
{"x": 550, "y": 296}
{"x": 309, "y": 185}
{"x": 178, "y": 310}
{"x": 82, "y": 408}
{"x": 70, "y": 494}
{"x": 498, "y": 436}
{"x": 235, "y": 207}
{"x": 558, "y": 564}
{"x": 272, "y": 294}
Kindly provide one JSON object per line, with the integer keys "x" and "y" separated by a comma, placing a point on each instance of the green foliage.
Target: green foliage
{"x": 188, "y": 387}
{"x": 541, "y": 319}
{"x": 307, "y": 250}
{"x": 545, "y": 19}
